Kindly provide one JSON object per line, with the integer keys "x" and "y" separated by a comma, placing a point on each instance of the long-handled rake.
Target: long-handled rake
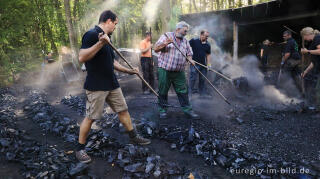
{"x": 224, "y": 98}
{"x": 237, "y": 82}
{"x": 161, "y": 102}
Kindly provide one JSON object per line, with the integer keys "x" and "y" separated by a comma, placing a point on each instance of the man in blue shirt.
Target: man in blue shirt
{"x": 201, "y": 53}
{"x": 101, "y": 83}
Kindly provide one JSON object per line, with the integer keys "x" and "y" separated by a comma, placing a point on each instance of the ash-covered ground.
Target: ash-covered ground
{"x": 267, "y": 132}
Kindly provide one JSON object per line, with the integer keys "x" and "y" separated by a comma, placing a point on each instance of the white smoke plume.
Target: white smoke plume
{"x": 151, "y": 10}
{"x": 247, "y": 66}
{"x": 91, "y": 18}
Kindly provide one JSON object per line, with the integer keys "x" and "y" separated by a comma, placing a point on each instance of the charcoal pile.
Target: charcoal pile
{"x": 241, "y": 84}
{"x": 77, "y": 103}
{"x": 50, "y": 120}
{"x": 217, "y": 152}
{"x": 136, "y": 162}
{"x": 140, "y": 162}
{"x": 7, "y": 105}
{"x": 38, "y": 160}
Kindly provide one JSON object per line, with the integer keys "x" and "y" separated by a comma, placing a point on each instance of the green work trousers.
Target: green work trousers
{"x": 178, "y": 80}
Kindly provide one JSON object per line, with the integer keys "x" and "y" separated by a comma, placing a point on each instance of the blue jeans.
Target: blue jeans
{"x": 194, "y": 74}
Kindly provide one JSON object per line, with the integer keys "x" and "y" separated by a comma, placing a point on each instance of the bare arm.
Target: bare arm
{"x": 307, "y": 70}
{"x": 160, "y": 47}
{"x": 316, "y": 51}
{"x": 209, "y": 60}
{"x": 123, "y": 69}
{"x": 261, "y": 52}
{"x": 190, "y": 60}
{"x": 146, "y": 49}
{"x": 286, "y": 56}
{"x": 89, "y": 53}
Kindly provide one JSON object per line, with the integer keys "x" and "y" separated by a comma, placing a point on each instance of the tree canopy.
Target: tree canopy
{"x": 32, "y": 28}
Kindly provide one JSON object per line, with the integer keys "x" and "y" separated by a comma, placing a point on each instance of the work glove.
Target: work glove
{"x": 209, "y": 65}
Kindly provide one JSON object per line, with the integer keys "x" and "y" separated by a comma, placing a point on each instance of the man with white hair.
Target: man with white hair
{"x": 171, "y": 66}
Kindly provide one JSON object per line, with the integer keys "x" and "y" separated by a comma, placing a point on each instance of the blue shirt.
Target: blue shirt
{"x": 100, "y": 69}
{"x": 200, "y": 50}
{"x": 292, "y": 48}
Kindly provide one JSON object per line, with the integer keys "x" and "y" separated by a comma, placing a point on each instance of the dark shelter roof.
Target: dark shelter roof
{"x": 265, "y": 12}
{"x": 259, "y": 22}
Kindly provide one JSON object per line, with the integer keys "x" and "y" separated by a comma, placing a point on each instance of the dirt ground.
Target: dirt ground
{"x": 279, "y": 134}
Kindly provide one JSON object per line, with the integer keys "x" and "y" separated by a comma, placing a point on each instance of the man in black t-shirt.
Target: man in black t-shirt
{"x": 291, "y": 57}
{"x": 201, "y": 53}
{"x": 101, "y": 83}
{"x": 309, "y": 34}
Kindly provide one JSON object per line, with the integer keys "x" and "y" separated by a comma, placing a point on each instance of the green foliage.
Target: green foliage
{"x": 30, "y": 26}
{"x": 27, "y": 28}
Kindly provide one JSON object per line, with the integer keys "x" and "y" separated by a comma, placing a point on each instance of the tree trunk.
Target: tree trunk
{"x": 218, "y": 4}
{"x": 194, "y": 5}
{"x": 123, "y": 34}
{"x": 45, "y": 27}
{"x": 180, "y": 4}
{"x": 165, "y": 18}
{"x": 53, "y": 45}
{"x": 239, "y": 3}
{"x": 75, "y": 20}
{"x": 249, "y": 2}
{"x": 212, "y": 5}
{"x": 204, "y": 5}
{"x": 61, "y": 21}
{"x": 190, "y": 6}
{"x": 70, "y": 29}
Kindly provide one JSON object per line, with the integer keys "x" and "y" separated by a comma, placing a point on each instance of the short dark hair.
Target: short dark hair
{"x": 147, "y": 33}
{"x": 107, "y": 14}
{"x": 287, "y": 32}
{"x": 203, "y": 31}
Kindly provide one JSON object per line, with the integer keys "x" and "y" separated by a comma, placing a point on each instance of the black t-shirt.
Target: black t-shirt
{"x": 100, "y": 69}
{"x": 265, "y": 50}
{"x": 200, "y": 50}
{"x": 292, "y": 48}
{"x": 315, "y": 58}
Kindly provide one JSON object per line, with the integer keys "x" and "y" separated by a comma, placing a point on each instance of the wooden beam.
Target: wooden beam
{"x": 235, "y": 41}
{"x": 275, "y": 19}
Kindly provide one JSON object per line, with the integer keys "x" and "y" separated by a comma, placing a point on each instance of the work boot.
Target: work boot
{"x": 140, "y": 140}
{"x": 163, "y": 115}
{"x": 82, "y": 156}
{"x": 137, "y": 139}
{"x": 191, "y": 114}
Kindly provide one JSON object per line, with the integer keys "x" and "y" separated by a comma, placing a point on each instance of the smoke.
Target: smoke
{"x": 272, "y": 95}
{"x": 150, "y": 11}
{"x": 247, "y": 66}
{"x": 59, "y": 77}
{"x": 91, "y": 18}
{"x": 217, "y": 27}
